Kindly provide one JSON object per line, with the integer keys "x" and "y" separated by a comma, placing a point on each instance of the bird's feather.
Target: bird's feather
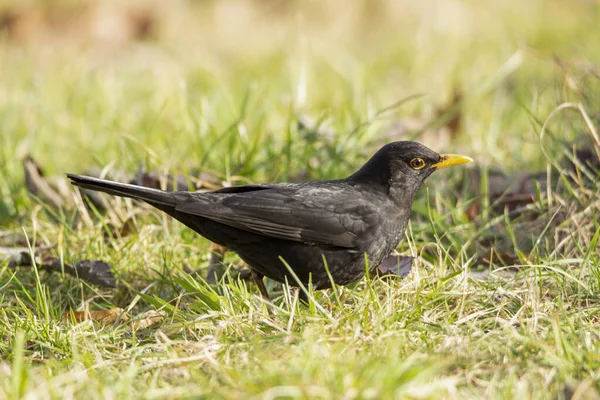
{"x": 290, "y": 214}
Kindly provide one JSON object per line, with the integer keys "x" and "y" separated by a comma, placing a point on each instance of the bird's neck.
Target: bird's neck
{"x": 375, "y": 173}
{"x": 399, "y": 192}
{"x": 402, "y": 194}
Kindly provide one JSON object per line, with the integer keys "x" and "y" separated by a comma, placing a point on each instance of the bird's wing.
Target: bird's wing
{"x": 327, "y": 217}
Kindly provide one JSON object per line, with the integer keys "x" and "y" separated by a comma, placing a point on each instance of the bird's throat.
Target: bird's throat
{"x": 403, "y": 193}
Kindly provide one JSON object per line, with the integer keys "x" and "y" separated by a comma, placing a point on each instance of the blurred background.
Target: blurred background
{"x": 281, "y": 89}
{"x": 214, "y": 93}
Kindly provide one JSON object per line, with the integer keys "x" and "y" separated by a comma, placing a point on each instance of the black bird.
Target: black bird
{"x": 345, "y": 222}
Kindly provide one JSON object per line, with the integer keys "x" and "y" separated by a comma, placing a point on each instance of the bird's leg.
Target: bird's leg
{"x": 244, "y": 274}
{"x": 258, "y": 280}
{"x": 216, "y": 268}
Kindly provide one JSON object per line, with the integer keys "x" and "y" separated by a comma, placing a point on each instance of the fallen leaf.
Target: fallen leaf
{"x": 142, "y": 23}
{"x": 163, "y": 182}
{"x": 120, "y": 229}
{"x": 94, "y": 272}
{"x": 206, "y": 180}
{"x": 103, "y": 316}
{"x": 37, "y": 184}
{"x": 20, "y": 256}
{"x": 12, "y": 240}
{"x": 148, "y": 319}
{"x": 395, "y": 265}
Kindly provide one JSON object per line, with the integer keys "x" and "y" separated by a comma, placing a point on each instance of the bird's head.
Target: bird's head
{"x": 402, "y": 167}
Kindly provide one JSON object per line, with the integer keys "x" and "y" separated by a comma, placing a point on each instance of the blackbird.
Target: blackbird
{"x": 335, "y": 225}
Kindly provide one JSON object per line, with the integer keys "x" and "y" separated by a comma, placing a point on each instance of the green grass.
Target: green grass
{"x": 226, "y": 98}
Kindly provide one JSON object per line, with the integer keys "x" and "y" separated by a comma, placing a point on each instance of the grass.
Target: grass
{"x": 226, "y": 98}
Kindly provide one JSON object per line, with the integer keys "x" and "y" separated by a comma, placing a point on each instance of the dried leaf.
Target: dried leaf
{"x": 142, "y": 23}
{"x": 103, "y": 316}
{"x": 531, "y": 229}
{"x": 20, "y": 24}
{"x": 504, "y": 191}
{"x": 20, "y": 256}
{"x": 37, "y": 184}
{"x": 120, "y": 230}
{"x": 512, "y": 194}
{"x": 206, "y": 180}
{"x": 92, "y": 271}
{"x": 196, "y": 181}
{"x": 395, "y": 265}
{"x": 148, "y": 319}
{"x": 156, "y": 181}
{"x": 12, "y": 240}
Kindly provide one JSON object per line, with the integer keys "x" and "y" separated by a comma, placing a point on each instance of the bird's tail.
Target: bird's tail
{"x": 153, "y": 196}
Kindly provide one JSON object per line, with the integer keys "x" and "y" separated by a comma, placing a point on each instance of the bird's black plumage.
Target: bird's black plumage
{"x": 341, "y": 221}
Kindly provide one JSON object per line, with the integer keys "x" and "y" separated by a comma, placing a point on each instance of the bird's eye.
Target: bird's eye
{"x": 417, "y": 163}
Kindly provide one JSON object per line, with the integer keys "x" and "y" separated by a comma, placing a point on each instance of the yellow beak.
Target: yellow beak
{"x": 450, "y": 160}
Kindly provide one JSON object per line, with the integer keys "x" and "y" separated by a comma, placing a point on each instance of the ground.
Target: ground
{"x": 277, "y": 91}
